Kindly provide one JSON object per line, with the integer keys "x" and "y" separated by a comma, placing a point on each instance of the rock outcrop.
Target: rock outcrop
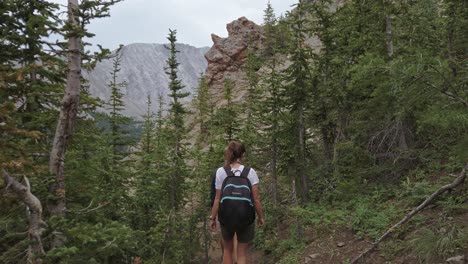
{"x": 227, "y": 56}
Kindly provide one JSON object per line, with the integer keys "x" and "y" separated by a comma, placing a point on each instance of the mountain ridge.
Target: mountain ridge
{"x": 142, "y": 68}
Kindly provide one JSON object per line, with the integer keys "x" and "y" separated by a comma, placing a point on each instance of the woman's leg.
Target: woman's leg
{"x": 218, "y": 230}
{"x": 243, "y": 238}
{"x": 221, "y": 242}
{"x": 228, "y": 248}
{"x": 242, "y": 249}
{"x": 234, "y": 251}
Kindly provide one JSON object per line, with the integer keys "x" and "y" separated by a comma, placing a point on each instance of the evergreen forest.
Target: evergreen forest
{"x": 360, "y": 143}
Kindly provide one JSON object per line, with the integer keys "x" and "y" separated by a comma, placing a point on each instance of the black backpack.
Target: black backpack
{"x": 236, "y": 207}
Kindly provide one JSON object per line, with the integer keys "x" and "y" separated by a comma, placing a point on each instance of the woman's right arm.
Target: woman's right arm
{"x": 214, "y": 210}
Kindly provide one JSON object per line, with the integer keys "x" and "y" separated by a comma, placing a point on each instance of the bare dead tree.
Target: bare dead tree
{"x": 459, "y": 180}
{"x": 392, "y": 143}
{"x": 34, "y": 209}
{"x": 66, "y": 119}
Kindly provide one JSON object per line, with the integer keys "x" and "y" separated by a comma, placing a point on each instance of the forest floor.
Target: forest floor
{"x": 336, "y": 247}
{"x": 340, "y": 245}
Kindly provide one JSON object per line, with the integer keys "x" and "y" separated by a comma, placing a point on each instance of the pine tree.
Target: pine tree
{"x": 251, "y": 117}
{"x": 148, "y": 187}
{"x": 115, "y": 177}
{"x": 270, "y": 30}
{"x": 325, "y": 97}
{"x": 456, "y": 38}
{"x": 275, "y": 107}
{"x": 30, "y": 80}
{"x": 119, "y": 139}
{"x": 176, "y": 125}
{"x": 175, "y": 233}
{"x": 299, "y": 86}
{"x": 204, "y": 107}
{"x": 225, "y": 117}
{"x": 75, "y": 28}
{"x": 201, "y": 154}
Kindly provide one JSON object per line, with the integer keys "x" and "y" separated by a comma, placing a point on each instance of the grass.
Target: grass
{"x": 431, "y": 245}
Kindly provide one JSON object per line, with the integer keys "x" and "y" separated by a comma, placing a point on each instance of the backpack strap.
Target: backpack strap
{"x": 228, "y": 171}
{"x": 245, "y": 172}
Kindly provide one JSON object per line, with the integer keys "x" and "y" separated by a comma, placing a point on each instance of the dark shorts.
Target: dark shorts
{"x": 244, "y": 235}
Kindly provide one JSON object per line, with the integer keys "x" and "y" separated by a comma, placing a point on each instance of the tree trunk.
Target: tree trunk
{"x": 205, "y": 240}
{"x": 274, "y": 161}
{"x": 64, "y": 130}
{"x": 274, "y": 139}
{"x": 327, "y": 142}
{"x": 35, "y": 250}
{"x": 274, "y": 187}
{"x": 402, "y": 142}
{"x": 301, "y": 155}
{"x": 299, "y": 229}
{"x": 388, "y": 36}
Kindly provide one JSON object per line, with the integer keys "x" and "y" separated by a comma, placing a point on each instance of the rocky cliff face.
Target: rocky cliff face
{"x": 143, "y": 70}
{"x": 227, "y": 57}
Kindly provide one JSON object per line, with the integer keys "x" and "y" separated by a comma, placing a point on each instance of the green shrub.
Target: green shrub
{"x": 372, "y": 218}
{"x": 415, "y": 192}
{"x": 392, "y": 248}
{"x": 291, "y": 257}
{"x": 321, "y": 217}
{"x": 453, "y": 204}
{"x": 433, "y": 245}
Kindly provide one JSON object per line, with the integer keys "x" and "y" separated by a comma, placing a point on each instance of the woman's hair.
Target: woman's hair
{"x": 235, "y": 150}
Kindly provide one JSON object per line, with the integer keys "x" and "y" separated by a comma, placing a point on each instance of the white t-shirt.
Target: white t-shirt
{"x": 221, "y": 175}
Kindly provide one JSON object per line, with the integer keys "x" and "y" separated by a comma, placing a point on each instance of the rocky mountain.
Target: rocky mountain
{"x": 142, "y": 68}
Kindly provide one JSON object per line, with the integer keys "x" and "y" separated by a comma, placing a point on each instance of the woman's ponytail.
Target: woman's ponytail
{"x": 234, "y": 151}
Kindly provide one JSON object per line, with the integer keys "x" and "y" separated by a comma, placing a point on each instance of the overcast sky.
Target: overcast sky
{"x": 148, "y": 21}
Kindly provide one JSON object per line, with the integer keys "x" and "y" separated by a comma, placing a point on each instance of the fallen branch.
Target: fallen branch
{"x": 459, "y": 180}
{"x": 35, "y": 250}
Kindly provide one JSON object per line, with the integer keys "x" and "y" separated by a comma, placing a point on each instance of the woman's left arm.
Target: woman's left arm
{"x": 258, "y": 205}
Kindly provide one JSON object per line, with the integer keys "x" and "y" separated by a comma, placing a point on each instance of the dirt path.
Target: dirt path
{"x": 337, "y": 247}
{"x": 215, "y": 254}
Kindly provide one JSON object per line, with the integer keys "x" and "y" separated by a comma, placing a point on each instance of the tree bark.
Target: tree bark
{"x": 274, "y": 162}
{"x": 328, "y": 139}
{"x": 274, "y": 189}
{"x": 66, "y": 119}
{"x": 388, "y": 36}
{"x": 301, "y": 155}
{"x": 35, "y": 250}
{"x": 459, "y": 180}
{"x": 299, "y": 229}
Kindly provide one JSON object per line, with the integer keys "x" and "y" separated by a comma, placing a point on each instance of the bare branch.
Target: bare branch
{"x": 27, "y": 183}
{"x": 35, "y": 250}
{"x": 449, "y": 94}
{"x": 88, "y": 210}
{"x": 459, "y": 180}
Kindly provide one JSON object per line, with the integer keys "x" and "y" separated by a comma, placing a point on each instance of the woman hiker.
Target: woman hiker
{"x": 234, "y": 203}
